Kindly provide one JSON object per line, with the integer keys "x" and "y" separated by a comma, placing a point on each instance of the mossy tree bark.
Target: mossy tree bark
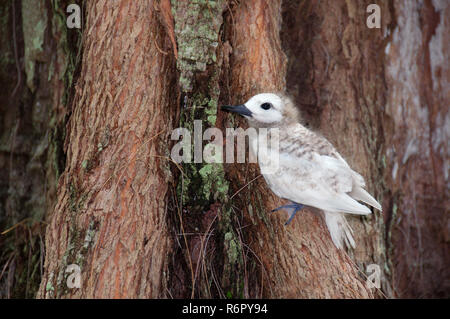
{"x": 37, "y": 61}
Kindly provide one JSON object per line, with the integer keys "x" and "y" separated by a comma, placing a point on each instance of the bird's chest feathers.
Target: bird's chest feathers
{"x": 266, "y": 150}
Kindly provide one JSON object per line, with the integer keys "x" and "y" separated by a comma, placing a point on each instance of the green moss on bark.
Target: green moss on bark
{"x": 197, "y": 30}
{"x": 197, "y": 27}
{"x": 34, "y": 24}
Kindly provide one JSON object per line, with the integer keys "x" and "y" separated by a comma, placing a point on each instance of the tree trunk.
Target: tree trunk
{"x": 417, "y": 122}
{"x": 110, "y": 217}
{"x": 298, "y": 260}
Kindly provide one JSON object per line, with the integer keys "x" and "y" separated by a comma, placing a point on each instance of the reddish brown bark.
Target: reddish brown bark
{"x": 298, "y": 261}
{"x": 417, "y": 134}
{"x": 335, "y": 75}
{"x": 110, "y": 218}
{"x": 380, "y": 96}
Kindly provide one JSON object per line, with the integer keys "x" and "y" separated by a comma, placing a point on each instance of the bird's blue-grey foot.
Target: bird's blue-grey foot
{"x": 295, "y": 206}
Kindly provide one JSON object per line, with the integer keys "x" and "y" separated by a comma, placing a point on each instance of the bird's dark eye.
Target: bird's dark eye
{"x": 266, "y": 106}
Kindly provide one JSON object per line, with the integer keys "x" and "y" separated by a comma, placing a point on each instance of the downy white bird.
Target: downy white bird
{"x": 311, "y": 172}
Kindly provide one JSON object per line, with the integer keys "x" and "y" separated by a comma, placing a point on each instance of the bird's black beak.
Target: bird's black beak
{"x": 240, "y": 109}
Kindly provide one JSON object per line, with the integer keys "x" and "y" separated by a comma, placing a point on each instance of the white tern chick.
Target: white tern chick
{"x": 311, "y": 172}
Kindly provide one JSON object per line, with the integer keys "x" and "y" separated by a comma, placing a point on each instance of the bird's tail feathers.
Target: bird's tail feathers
{"x": 340, "y": 231}
{"x": 359, "y": 193}
{"x": 347, "y": 204}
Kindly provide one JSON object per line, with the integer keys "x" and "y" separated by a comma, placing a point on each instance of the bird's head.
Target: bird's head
{"x": 267, "y": 110}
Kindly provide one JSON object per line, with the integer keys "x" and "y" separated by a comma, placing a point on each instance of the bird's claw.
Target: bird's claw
{"x": 284, "y": 206}
{"x": 296, "y": 208}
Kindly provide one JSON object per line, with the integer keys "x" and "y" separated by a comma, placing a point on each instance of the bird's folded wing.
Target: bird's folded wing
{"x": 317, "y": 180}
{"x": 337, "y": 163}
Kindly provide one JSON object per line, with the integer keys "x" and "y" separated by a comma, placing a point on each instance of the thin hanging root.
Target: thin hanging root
{"x": 240, "y": 189}
{"x": 18, "y": 224}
